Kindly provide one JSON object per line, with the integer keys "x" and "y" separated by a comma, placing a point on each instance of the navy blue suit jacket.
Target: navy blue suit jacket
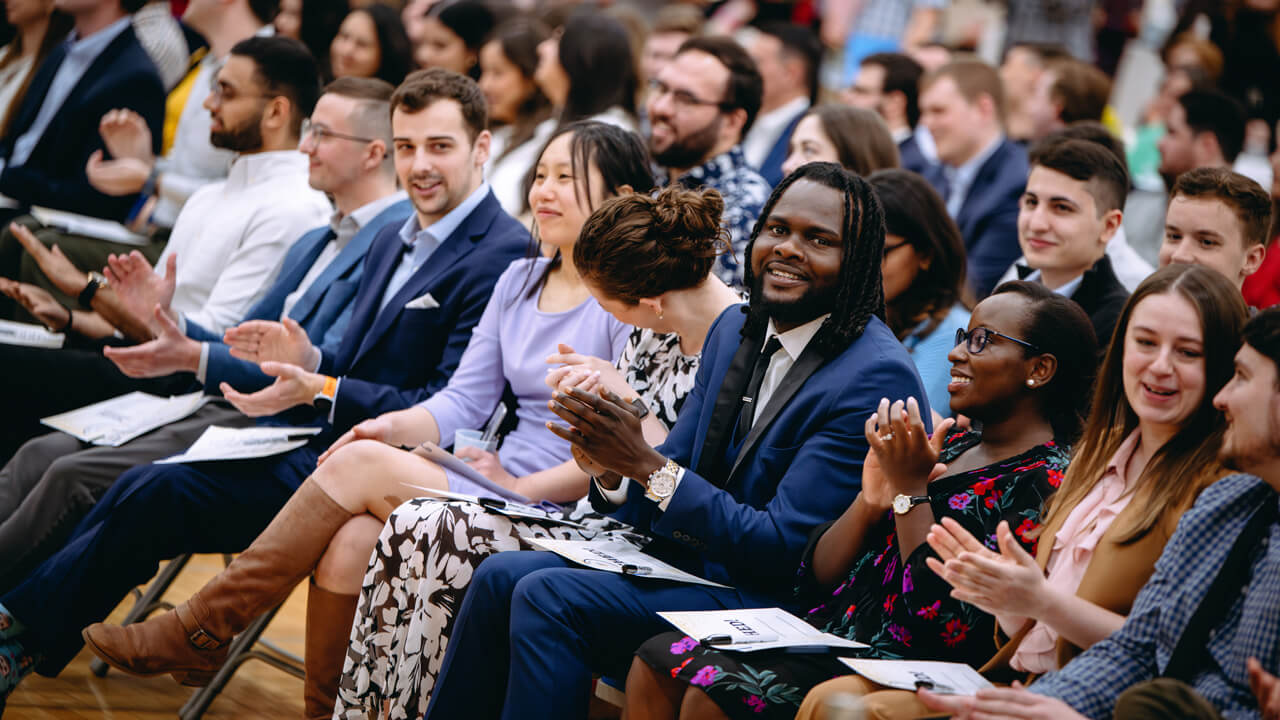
{"x": 988, "y": 219}
{"x": 395, "y": 358}
{"x": 323, "y": 310}
{"x": 800, "y": 466}
{"x": 123, "y": 76}
{"x": 771, "y": 168}
{"x": 911, "y": 158}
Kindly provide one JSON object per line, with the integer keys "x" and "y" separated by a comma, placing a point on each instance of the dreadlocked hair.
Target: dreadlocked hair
{"x": 860, "y": 294}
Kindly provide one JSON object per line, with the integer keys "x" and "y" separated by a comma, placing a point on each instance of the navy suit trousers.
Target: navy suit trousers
{"x": 534, "y": 627}
{"x": 152, "y": 513}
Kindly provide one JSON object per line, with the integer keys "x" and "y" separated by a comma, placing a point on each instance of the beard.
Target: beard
{"x": 813, "y": 304}
{"x": 245, "y": 138}
{"x": 1240, "y": 455}
{"x": 689, "y": 150}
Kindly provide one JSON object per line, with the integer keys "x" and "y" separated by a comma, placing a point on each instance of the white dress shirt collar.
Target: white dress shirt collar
{"x": 795, "y": 340}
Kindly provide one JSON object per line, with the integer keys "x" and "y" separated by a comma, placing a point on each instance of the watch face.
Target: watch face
{"x": 662, "y": 484}
{"x": 902, "y": 504}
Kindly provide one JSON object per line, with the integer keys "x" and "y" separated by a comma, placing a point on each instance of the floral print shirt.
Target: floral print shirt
{"x": 902, "y": 609}
{"x": 745, "y": 193}
{"x": 659, "y": 373}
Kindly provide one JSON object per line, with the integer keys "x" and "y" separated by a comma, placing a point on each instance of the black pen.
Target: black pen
{"x": 629, "y": 569}
{"x": 717, "y": 640}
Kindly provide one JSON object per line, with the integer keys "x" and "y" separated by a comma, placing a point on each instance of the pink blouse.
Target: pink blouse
{"x": 1073, "y": 547}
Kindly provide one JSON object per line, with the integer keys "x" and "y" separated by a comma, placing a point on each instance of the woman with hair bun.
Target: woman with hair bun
{"x": 647, "y": 260}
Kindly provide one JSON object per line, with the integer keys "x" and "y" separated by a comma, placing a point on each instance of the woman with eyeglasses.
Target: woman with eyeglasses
{"x": 1147, "y": 450}
{"x": 923, "y": 269}
{"x": 1022, "y": 369}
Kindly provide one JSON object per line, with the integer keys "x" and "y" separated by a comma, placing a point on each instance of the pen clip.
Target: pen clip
{"x": 629, "y": 569}
{"x": 716, "y": 640}
{"x": 494, "y": 503}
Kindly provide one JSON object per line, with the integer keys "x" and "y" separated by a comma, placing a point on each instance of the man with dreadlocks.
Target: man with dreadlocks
{"x": 769, "y": 444}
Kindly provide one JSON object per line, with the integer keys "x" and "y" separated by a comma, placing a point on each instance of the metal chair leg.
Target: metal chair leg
{"x": 147, "y": 603}
{"x": 243, "y": 648}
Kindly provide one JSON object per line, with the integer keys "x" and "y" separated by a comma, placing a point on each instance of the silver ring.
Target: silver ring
{"x": 887, "y": 436}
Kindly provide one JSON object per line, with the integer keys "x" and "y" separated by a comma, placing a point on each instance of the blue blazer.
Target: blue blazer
{"x": 988, "y": 219}
{"x": 54, "y": 176}
{"x": 771, "y": 168}
{"x": 910, "y": 157}
{"x": 798, "y": 467}
{"x": 394, "y": 358}
{"x": 323, "y": 310}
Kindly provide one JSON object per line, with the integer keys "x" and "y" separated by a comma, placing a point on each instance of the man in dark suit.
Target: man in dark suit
{"x": 983, "y": 172}
{"x": 398, "y": 349}
{"x": 1072, "y": 207}
{"x": 889, "y": 83}
{"x": 54, "y": 480}
{"x": 740, "y": 482}
{"x": 101, "y": 66}
{"x": 787, "y": 56}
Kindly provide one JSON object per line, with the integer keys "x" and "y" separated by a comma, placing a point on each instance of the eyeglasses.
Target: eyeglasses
{"x": 322, "y": 133}
{"x": 890, "y": 248}
{"x": 220, "y": 93}
{"x": 976, "y": 339}
{"x": 682, "y": 98}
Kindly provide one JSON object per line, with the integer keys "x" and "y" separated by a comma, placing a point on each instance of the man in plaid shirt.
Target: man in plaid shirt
{"x": 1203, "y": 638}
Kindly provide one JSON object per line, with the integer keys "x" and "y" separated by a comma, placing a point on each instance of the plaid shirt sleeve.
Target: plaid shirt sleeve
{"x": 1141, "y": 647}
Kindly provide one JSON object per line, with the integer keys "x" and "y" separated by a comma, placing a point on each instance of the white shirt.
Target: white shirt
{"x": 793, "y": 342}
{"x": 506, "y": 175}
{"x": 232, "y": 235}
{"x": 767, "y": 128}
{"x": 1066, "y": 290}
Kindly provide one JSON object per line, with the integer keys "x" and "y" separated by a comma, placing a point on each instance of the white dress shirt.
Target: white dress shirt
{"x": 232, "y": 235}
{"x": 767, "y": 128}
{"x": 793, "y": 342}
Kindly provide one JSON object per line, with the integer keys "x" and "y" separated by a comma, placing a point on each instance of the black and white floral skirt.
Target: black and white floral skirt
{"x": 418, "y": 574}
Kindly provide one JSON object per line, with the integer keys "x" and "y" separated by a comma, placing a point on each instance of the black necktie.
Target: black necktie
{"x": 747, "y": 414}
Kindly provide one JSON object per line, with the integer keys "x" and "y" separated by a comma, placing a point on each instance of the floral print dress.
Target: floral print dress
{"x": 429, "y": 549}
{"x": 901, "y": 609}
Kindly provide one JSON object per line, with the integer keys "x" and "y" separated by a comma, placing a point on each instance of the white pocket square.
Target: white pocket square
{"x": 422, "y": 302}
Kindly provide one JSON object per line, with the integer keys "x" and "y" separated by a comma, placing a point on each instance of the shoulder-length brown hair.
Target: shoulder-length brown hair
{"x": 1177, "y": 471}
{"x": 861, "y": 138}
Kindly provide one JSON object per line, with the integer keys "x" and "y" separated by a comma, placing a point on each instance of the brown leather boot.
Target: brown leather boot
{"x": 190, "y": 641}
{"x": 329, "y": 616}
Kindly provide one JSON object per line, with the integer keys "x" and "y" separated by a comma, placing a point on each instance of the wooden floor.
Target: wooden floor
{"x": 257, "y": 690}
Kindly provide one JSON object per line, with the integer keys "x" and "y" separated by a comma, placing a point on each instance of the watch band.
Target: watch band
{"x": 323, "y": 400}
{"x": 96, "y": 280}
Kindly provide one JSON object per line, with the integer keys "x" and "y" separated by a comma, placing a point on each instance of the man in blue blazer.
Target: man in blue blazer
{"x": 769, "y": 444}
{"x": 99, "y": 67}
{"x": 54, "y": 480}
{"x": 410, "y": 322}
{"x": 983, "y": 172}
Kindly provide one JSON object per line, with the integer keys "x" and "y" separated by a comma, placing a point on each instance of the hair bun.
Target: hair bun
{"x": 688, "y": 220}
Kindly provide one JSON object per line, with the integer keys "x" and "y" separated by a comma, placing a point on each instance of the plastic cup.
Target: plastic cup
{"x": 472, "y": 438}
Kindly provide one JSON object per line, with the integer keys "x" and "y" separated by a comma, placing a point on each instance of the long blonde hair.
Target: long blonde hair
{"x": 1176, "y": 471}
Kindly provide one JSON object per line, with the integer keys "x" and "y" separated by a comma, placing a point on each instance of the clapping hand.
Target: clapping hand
{"x": 606, "y": 429}
{"x": 65, "y": 276}
{"x": 1009, "y": 583}
{"x": 266, "y": 341}
{"x": 293, "y": 386}
{"x": 126, "y": 135}
{"x": 51, "y": 313}
{"x": 1008, "y": 703}
{"x": 1266, "y": 689}
{"x": 589, "y": 372}
{"x": 906, "y": 457}
{"x": 140, "y": 288}
{"x": 169, "y": 352}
